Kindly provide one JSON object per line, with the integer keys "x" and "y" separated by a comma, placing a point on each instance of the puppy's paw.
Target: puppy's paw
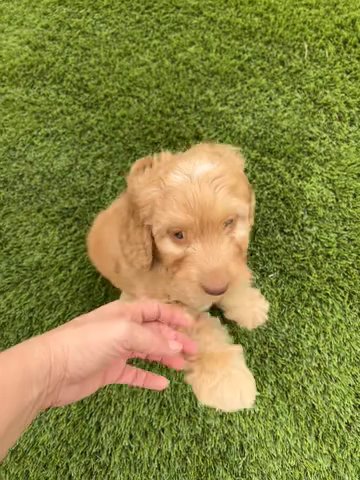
{"x": 222, "y": 380}
{"x": 252, "y": 310}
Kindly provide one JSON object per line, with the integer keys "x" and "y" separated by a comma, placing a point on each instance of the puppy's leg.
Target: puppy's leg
{"x": 245, "y": 305}
{"x": 218, "y": 373}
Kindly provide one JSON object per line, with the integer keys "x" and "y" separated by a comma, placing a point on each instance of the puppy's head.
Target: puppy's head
{"x": 199, "y": 208}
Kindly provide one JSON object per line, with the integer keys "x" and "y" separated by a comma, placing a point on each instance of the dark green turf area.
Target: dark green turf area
{"x": 87, "y": 87}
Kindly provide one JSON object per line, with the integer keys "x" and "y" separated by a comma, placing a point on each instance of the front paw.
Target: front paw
{"x": 251, "y": 311}
{"x": 222, "y": 380}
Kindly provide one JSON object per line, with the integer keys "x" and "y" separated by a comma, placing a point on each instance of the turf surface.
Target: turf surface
{"x": 88, "y": 87}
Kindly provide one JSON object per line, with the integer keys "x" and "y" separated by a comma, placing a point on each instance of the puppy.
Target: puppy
{"x": 180, "y": 233}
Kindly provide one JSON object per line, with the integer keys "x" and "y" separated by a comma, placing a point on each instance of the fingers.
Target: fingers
{"x": 189, "y": 347}
{"x": 161, "y": 331}
{"x": 140, "y": 312}
{"x": 153, "y": 311}
{"x": 176, "y": 362}
{"x": 137, "y": 377}
{"x": 133, "y": 337}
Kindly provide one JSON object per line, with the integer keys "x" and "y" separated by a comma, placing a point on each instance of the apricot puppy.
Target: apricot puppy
{"x": 180, "y": 233}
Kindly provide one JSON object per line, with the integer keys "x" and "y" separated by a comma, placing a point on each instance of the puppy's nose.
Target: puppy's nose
{"x": 215, "y": 290}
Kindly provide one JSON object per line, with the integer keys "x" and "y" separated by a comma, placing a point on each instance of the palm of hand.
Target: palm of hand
{"x": 87, "y": 371}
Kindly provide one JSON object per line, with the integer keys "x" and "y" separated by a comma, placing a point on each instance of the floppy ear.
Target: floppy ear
{"x": 134, "y": 236}
{"x": 121, "y": 235}
{"x": 117, "y": 239}
{"x": 144, "y": 183}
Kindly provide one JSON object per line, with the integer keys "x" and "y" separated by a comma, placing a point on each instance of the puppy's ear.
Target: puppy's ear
{"x": 142, "y": 167}
{"x": 142, "y": 187}
{"x": 144, "y": 183}
{"x": 134, "y": 236}
{"x": 121, "y": 234}
{"x": 117, "y": 238}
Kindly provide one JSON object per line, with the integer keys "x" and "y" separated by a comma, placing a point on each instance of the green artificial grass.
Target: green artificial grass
{"x": 87, "y": 88}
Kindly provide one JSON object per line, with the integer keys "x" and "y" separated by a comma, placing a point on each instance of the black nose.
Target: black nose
{"x": 215, "y": 292}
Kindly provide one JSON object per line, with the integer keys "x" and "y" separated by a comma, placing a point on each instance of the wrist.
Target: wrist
{"x": 40, "y": 366}
{"x": 25, "y": 383}
{"x": 42, "y": 370}
{"x": 50, "y": 373}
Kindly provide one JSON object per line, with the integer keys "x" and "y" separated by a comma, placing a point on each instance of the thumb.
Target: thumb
{"x": 140, "y": 338}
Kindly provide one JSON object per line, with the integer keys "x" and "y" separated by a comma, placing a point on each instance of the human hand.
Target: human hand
{"x": 92, "y": 350}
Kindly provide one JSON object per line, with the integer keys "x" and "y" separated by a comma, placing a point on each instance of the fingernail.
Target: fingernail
{"x": 161, "y": 384}
{"x": 175, "y": 346}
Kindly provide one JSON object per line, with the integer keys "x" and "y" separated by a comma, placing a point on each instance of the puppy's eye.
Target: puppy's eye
{"x": 179, "y": 235}
{"x": 229, "y": 222}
